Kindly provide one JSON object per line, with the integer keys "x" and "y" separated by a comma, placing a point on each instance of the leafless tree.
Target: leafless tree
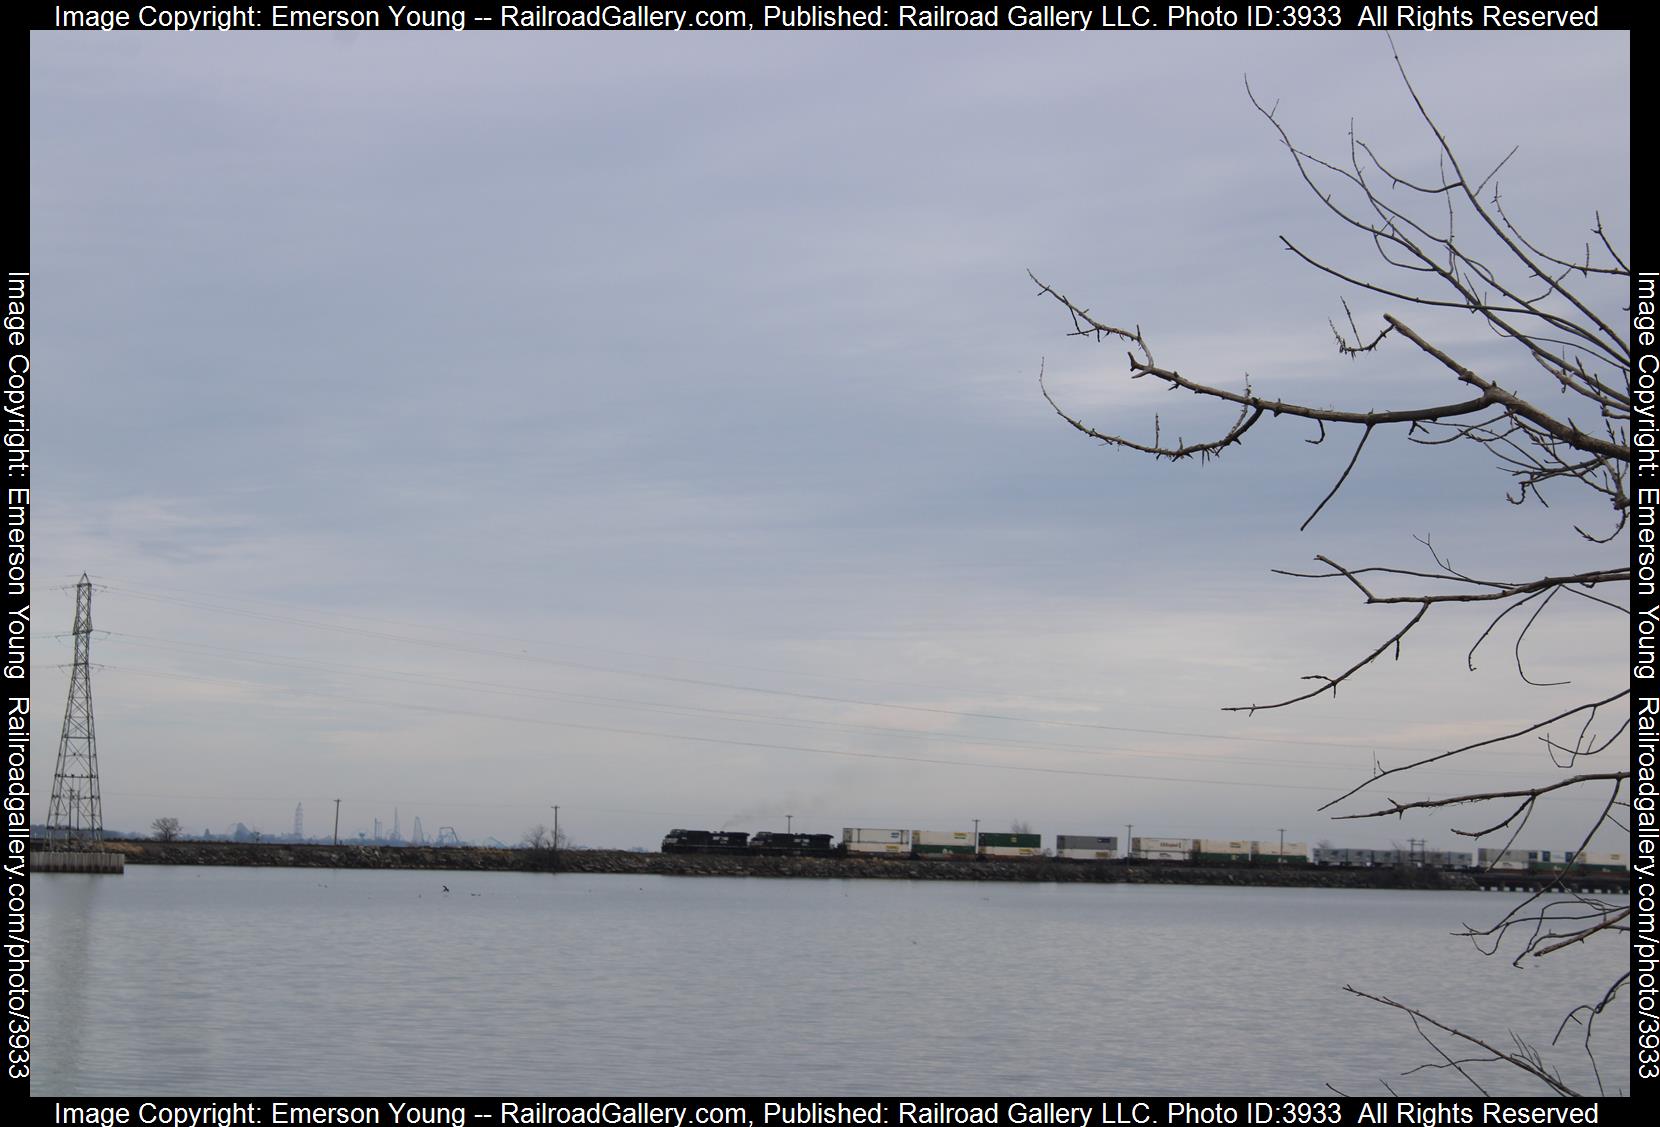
{"x": 540, "y": 837}
{"x": 1557, "y": 422}
{"x": 166, "y": 829}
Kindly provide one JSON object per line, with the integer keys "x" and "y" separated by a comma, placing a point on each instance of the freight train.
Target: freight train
{"x": 861, "y": 841}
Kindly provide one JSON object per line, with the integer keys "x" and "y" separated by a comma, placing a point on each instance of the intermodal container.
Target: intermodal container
{"x": 1505, "y": 859}
{"x": 861, "y": 839}
{"x": 1085, "y": 841}
{"x": 1146, "y": 847}
{"x": 1273, "y": 851}
{"x": 1084, "y": 847}
{"x": 946, "y": 843}
{"x": 1011, "y": 845}
{"x": 1218, "y": 849}
{"x": 1023, "y": 841}
{"x": 942, "y": 837}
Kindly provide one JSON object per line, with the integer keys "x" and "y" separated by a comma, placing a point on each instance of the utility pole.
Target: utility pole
{"x": 1129, "y": 841}
{"x": 337, "y": 821}
{"x": 556, "y": 829}
{"x": 76, "y": 816}
{"x": 1282, "y": 845}
{"x": 788, "y": 818}
{"x": 976, "y": 837}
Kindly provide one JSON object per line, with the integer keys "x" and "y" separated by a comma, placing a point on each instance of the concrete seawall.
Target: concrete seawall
{"x": 809, "y": 868}
{"x": 76, "y": 861}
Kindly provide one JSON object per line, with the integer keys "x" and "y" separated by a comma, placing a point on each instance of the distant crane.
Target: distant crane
{"x": 447, "y": 836}
{"x": 299, "y": 821}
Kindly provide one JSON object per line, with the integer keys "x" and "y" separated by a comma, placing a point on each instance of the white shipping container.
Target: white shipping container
{"x": 862, "y": 835}
{"x": 943, "y": 837}
{"x": 1163, "y": 855}
{"x": 1216, "y": 845}
{"x": 876, "y": 847}
{"x": 1088, "y": 854}
{"x": 1504, "y": 858}
{"x": 1010, "y": 851}
{"x": 1605, "y": 860}
{"x": 1297, "y": 849}
{"x": 1160, "y": 844}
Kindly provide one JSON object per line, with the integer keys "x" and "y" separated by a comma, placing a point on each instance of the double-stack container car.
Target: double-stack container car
{"x": 1161, "y": 848}
{"x": 1081, "y": 847}
{"x": 863, "y": 839}
{"x": 942, "y": 843}
{"x": 1011, "y": 845}
{"x": 1592, "y": 862}
{"x": 1552, "y": 861}
{"x": 1214, "y": 850}
{"x": 1273, "y": 853}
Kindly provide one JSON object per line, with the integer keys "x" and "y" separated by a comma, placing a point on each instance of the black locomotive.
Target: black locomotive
{"x": 763, "y": 843}
{"x": 705, "y": 841}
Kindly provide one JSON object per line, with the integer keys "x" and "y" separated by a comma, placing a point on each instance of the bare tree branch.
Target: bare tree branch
{"x": 1523, "y": 1059}
{"x": 1555, "y": 419}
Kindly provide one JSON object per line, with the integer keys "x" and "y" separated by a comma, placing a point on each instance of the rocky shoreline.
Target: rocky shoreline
{"x": 468, "y": 859}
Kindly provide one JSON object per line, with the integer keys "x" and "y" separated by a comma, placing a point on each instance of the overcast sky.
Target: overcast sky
{"x": 649, "y": 425}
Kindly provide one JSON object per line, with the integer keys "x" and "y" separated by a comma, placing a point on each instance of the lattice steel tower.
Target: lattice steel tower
{"x": 77, "y": 813}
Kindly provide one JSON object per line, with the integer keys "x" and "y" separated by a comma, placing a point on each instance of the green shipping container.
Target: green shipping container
{"x": 1025, "y": 841}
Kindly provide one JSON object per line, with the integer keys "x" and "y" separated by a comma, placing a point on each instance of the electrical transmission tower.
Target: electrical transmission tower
{"x": 76, "y": 816}
{"x": 299, "y": 821}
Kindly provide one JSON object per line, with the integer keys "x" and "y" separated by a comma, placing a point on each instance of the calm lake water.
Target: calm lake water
{"x": 209, "y": 981}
